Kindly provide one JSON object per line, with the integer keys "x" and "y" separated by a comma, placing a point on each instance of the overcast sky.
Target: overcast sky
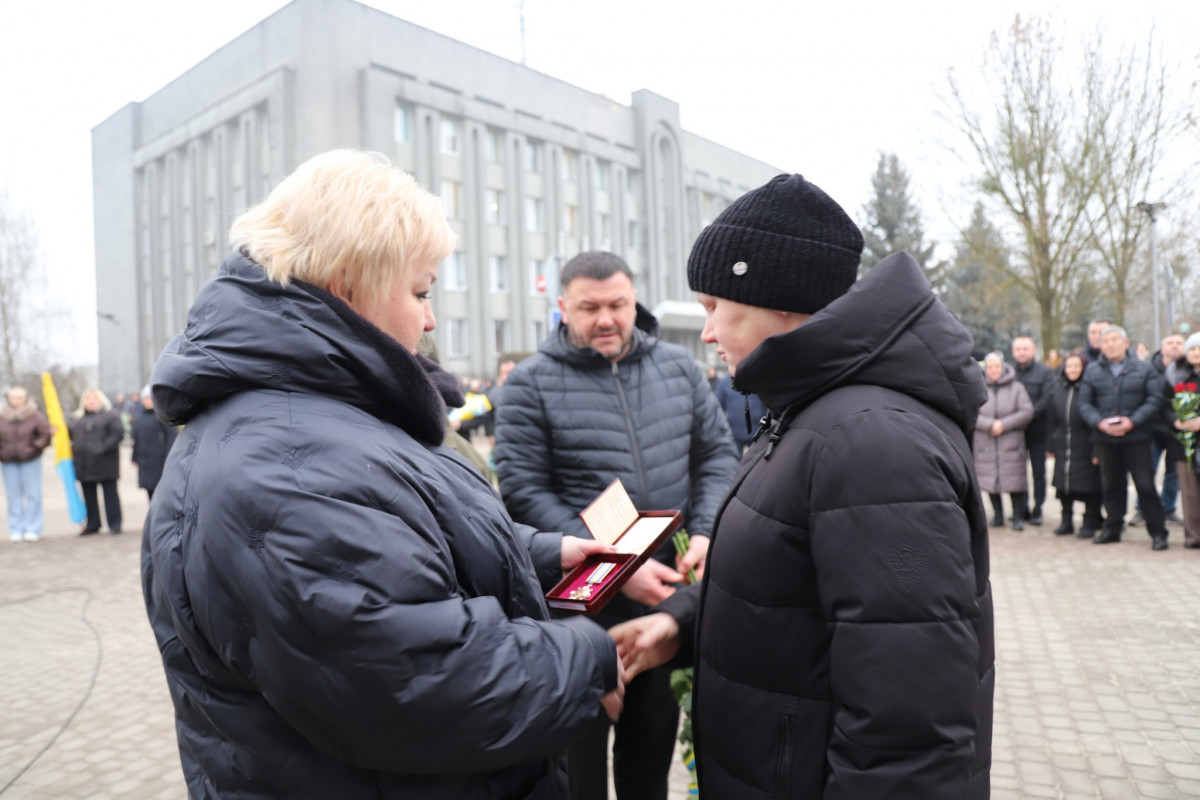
{"x": 818, "y": 88}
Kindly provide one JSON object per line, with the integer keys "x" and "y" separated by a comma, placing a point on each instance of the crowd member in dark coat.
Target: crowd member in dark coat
{"x": 96, "y": 435}
{"x": 1038, "y": 380}
{"x": 1162, "y": 436}
{"x": 742, "y": 411}
{"x": 1184, "y": 376}
{"x": 602, "y": 399}
{"x": 152, "y": 441}
{"x": 343, "y": 607}
{"x": 1094, "y": 330}
{"x": 1120, "y": 399}
{"x": 1000, "y": 440}
{"x": 844, "y": 647}
{"x": 1076, "y": 470}
{"x": 24, "y": 434}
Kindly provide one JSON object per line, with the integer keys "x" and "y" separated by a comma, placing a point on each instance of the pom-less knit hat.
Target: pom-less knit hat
{"x": 786, "y": 245}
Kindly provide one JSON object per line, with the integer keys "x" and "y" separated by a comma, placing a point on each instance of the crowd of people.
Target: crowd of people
{"x": 97, "y": 429}
{"x": 347, "y": 604}
{"x": 1107, "y": 417}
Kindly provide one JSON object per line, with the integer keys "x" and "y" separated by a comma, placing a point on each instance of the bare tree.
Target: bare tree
{"x": 1131, "y": 96}
{"x": 1035, "y": 148}
{"x": 20, "y": 275}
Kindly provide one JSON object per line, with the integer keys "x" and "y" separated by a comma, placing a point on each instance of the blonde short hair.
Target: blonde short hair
{"x": 105, "y": 404}
{"x": 345, "y": 215}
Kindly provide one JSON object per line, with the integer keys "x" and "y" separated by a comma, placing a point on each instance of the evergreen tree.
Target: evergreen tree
{"x": 892, "y": 220}
{"x": 980, "y": 287}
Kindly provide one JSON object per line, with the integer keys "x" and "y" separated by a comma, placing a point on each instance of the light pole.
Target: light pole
{"x": 1152, "y": 210}
{"x": 111, "y": 317}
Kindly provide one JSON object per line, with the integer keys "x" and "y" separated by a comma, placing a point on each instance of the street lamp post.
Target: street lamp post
{"x": 111, "y": 317}
{"x": 1151, "y": 210}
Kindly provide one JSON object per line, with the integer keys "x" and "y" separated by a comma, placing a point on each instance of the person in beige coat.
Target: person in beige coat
{"x": 1000, "y": 455}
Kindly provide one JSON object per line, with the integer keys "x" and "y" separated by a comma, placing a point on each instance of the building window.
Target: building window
{"x": 632, "y": 239}
{"x": 500, "y": 331}
{"x": 603, "y": 171}
{"x": 570, "y": 162}
{"x": 498, "y": 272}
{"x": 570, "y": 220}
{"x": 494, "y": 146}
{"x": 533, "y": 156}
{"x": 494, "y": 199}
{"x": 451, "y": 136}
{"x": 538, "y": 331}
{"x": 632, "y": 187}
{"x": 402, "y": 124}
{"x": 451, "y": 199}
{"x": 604, "y": 227}
{"x": 457, "y": 346}
{"x": 454, "y": 271}
{"x": 535, "y": 221}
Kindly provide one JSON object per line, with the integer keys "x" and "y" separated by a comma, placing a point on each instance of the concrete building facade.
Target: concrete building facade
{"x": 531, "y": 171}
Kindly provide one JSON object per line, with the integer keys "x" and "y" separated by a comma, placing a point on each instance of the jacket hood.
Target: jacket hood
{"x": 247, "y": 332}
{"x": 645, "y": 336}
{"x": 1007, "y": 376}
{"x": 889, "y": 330}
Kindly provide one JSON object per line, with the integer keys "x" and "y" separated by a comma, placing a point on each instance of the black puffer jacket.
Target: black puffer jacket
{"x": 152, "y": 441}
{"x": 572, "y": 421}
{"x": 343, "y": 606}
{"x": 96, "y": 445}
{"x": 1074, "y": 448}
{"x": 1038, "y": 380}
{"x": 845, "y": 646}
{"x": 1136, "y": 392}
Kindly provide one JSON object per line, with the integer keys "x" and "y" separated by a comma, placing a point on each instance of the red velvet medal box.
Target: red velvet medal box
{"x": 612, "y": 518}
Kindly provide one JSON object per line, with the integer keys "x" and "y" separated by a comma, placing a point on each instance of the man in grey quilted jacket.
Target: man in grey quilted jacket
{"x": 604, "y": 398}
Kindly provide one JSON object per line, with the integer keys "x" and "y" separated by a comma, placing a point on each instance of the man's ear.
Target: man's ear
{"x": 562, "y": 307}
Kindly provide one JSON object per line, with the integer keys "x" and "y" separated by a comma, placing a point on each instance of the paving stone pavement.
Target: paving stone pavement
{"x": 1098, "y": 665}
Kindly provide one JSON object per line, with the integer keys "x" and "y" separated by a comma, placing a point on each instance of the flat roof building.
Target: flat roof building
{"x": 531, "y": 171}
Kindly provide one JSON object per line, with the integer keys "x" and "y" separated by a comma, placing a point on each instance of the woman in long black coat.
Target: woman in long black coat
{"x": 96, "y": 434}
{"x": 1076, "y": 470}
{"x": 152, "y": 440}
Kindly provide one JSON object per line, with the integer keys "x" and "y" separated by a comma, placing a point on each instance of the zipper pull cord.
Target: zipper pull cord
{"x": 746, "y": 397}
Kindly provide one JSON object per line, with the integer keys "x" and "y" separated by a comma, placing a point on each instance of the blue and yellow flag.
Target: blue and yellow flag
{"x": 64, "y": 462}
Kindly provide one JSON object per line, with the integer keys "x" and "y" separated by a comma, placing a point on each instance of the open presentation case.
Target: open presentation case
{"x": 611, "y": 518}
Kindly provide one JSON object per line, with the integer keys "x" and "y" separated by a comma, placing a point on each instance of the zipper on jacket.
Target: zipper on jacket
{"x": 996, "y": 439}
{"x": 633, "y": 444}
{"x": 783, "y": 786}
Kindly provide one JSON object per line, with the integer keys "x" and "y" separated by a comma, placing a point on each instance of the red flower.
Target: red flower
{"x": 1191, "y": 387}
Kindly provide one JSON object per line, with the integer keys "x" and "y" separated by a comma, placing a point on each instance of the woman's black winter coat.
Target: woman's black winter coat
{"x": 96, "y": 446}
{"x": 343, "y": 606}
{"x": 1074, "y": 447}
{"x": 844, "y": 645}
{"x": 152, "y": 441}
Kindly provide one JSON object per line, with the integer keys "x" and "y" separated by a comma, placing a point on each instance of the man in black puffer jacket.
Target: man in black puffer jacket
{"x": 605, "y": 399}
{"x": 1121, "y": 398}
{"x": 843, "y": 629}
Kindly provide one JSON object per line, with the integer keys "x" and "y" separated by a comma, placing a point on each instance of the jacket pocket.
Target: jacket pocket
{"x": 787, "y": 750}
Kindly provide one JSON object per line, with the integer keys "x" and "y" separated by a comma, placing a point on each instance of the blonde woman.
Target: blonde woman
{"x": 96, "y": 433}
{"x": 343, "y": 606}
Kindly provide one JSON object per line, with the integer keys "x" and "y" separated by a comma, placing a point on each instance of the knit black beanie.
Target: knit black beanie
{"x": 786, "y": 246}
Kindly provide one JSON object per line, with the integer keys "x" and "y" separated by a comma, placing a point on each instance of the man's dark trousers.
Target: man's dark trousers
{"x": 646, "y": 730}
{"x": 1116, "y": 461}
{"x": 1036, "y": 445}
